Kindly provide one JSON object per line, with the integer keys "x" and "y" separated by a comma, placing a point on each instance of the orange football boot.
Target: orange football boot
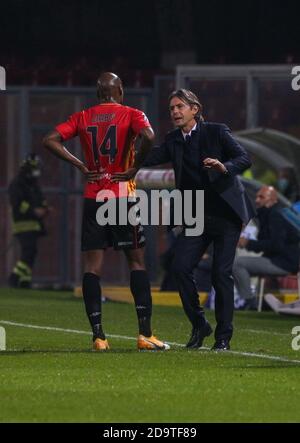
{"x": 100, "y": 345}
{"x": 151, "y": 344}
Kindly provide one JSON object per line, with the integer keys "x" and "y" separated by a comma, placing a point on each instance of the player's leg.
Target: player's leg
{"x": 93, "y": 242}
{"x": 131, "y": 239}
{"x": 91, "y": 290}
{"x": 141, "y": 291}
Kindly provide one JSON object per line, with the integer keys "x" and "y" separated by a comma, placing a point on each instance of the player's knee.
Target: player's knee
{"x": 136, "y": 265}
{"x": 92, "y": 269}
{"x": 135, "y": 259}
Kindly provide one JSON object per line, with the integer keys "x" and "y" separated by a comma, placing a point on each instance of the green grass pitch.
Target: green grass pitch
{"x": 49, "y": 375}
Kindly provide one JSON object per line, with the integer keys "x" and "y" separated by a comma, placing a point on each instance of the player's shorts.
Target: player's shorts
{"x": 95, "y": 236}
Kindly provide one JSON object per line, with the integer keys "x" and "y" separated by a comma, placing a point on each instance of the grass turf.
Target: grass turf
{"x": 52, "y": 376}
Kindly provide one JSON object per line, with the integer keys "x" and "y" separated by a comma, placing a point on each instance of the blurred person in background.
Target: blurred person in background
{"x": 287, "y": 184}
{"x": 29, "y": 209}
{"x": 262, "y": 172}
{"x": 278, "y": 241}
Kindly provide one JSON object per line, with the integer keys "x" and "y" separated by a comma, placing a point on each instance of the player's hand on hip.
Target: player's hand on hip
{"x": 214, "y": 163}
{"x": 124, "y": 176}
{"x": 91, "y": 176}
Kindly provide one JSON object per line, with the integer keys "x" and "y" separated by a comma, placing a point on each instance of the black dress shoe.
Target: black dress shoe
{"x": 198, "y": 335}
{"x": 221, "y": 345}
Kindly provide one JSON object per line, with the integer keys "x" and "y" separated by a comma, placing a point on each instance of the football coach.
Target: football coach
{"x": 205, "y": 156}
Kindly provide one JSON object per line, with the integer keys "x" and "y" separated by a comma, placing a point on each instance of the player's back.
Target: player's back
{"x": 107, "y": 133}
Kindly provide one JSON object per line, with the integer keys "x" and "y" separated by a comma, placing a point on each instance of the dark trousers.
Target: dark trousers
{"x": 224, "y": 235}
{"x": 28, "y": 242}
{"x": 21, "y": 275}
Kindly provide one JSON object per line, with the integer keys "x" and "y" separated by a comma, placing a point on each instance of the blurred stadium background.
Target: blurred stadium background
{"x": 52, "y": 74}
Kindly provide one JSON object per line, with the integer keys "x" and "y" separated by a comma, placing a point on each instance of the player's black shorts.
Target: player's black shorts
{"x": 94, "y": 236}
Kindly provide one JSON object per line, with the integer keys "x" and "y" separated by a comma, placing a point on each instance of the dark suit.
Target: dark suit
{"x": 214, "y": 141}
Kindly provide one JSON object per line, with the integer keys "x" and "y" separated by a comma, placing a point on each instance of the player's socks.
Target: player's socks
{"x": 91, "y": 290}
{"x": 140, "y": 288}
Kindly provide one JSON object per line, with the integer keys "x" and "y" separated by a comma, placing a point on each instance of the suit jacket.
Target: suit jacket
{"x": 215, "y": 141}
{"x": 277, "y": 239}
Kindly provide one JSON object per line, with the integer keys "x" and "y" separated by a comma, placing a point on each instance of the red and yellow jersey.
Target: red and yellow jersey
{"x": 107, "y": 133}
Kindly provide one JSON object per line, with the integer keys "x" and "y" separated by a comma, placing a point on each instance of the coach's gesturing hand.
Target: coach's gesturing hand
{"x": 214, "y": 163}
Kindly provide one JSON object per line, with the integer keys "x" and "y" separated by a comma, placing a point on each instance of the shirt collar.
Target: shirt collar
{"x": 184, "y": 134}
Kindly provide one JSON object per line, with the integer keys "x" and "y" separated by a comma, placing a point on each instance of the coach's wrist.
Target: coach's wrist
{"x": 225, "y": 170}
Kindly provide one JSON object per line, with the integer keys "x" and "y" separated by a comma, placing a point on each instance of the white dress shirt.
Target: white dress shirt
{"x": 184, "y": 134}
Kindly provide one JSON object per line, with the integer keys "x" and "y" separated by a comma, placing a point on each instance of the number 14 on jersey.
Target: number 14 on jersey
{"x": 108, "y": 146}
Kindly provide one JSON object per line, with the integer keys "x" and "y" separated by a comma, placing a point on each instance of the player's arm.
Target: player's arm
{"x": 147, "y": 137}
{"x": 53, "y": 142}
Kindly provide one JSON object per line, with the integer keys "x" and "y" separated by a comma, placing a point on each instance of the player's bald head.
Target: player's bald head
{"x": 109, "y": 88}
{"x": 266, "y": 197}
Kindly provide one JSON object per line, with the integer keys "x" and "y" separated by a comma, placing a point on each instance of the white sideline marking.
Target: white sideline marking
{"x": 124, "y": 337}
{"x": 260, "y": 331}
{"x": 2, "y": 339}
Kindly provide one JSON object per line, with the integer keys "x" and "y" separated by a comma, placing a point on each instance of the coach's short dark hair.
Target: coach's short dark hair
{"x": 189, "y": 98}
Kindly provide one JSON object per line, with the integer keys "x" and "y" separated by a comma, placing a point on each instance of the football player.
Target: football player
{"x": 107, "y": 133}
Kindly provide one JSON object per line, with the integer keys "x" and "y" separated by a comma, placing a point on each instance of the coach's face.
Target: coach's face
{"x": 182, "y": 114}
